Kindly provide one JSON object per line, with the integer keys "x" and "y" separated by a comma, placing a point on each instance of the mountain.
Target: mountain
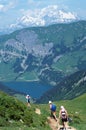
{"x": 42, "y": 17}
{"x": 45, "y": 16}
{"x": 70, "y": 87}
{"x": 43, "y": 53}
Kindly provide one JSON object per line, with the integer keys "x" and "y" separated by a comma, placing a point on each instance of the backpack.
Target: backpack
{"x": 53, "y": 108}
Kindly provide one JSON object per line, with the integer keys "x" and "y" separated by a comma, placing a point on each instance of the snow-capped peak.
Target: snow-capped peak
{"x": 67, "y": 16}
{"x": 44, "y": 16}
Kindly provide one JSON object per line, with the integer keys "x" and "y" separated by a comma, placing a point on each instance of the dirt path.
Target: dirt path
{"x": 38, "y": 111}
{"x": 52, "y": 123}
{"x": 55, "y": 125}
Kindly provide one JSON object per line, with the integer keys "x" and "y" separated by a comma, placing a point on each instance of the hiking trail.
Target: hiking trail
{"x": 54, "y": 125}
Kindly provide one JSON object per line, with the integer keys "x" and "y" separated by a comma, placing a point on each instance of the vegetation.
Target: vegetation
{"x": 14, "y": 114}
{"x": 70, "y": 87}
{"x": 59, "y": 51}
{"x": 76, "y": 110}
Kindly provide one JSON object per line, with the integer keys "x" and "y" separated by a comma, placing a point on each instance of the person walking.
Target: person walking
{"x": 53, "y": 110}
{"x": 28, "y": 100}
{"x": 63, "y": 115}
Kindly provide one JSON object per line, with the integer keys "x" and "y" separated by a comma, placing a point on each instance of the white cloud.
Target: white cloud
{"x": 1, "y": 7}
{"x": 10, "y": 5}
{"x": 6, "y": 7}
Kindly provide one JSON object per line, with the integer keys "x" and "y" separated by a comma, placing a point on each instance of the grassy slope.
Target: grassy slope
{"x": 69, "y": 62}
{"x": 14, "y": 114}
{"x": 76, "y": 110}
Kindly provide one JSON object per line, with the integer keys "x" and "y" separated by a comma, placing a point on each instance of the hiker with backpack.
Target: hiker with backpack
{"x": 53, "y": 110}
{"x": 63, "y": 115}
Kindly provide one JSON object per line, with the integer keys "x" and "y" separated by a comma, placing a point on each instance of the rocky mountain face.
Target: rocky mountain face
{"x": 43, "y": 53}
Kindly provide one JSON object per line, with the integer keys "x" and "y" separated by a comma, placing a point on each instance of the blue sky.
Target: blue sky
{"x": 12, "y": 10}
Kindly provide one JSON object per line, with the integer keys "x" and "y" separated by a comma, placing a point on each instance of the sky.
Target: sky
{"x": 12, "y": 10}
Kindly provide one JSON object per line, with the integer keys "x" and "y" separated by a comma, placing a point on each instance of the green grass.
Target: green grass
{"x": 68, "y": 63}
{"x": 6, "y": 72}
{"x": 16, "y": 114}
{"x": 28, "y": 76}
{"x": 76, "y": 109}
{"x": 11, "y": 109}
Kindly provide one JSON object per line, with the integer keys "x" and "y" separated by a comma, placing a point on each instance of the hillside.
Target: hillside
{"x": 14, "y": 114}
{"x": 76, "y": 110}
{"x": 43, "y": 53}
{"x": 70, "y": 87}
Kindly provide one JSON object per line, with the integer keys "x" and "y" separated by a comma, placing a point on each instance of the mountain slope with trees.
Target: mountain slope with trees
{"x": 43, "y": 53}
{"x": 70, "y": 87}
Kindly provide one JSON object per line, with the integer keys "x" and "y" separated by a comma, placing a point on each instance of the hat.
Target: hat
{"x": 62, "y": 107}
{"x": 27, "y": 96}
{"x": 50, "y": 102}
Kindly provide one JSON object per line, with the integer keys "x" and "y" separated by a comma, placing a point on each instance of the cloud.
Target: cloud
{"x": 1, "y": 7}
{"x": 5, "y": 7}
{"x": 10, "y": 5}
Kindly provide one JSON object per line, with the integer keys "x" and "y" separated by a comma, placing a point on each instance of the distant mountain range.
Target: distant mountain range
{"x": 43, "y": 53}
{"x": 45, "y": 16}
{"x": 42, "y": 17}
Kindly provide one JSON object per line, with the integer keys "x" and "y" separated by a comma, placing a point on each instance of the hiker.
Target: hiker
{"x": 28, "y": 100}
{"x": 53, "y": 110}
{"x": 63, "y": 116}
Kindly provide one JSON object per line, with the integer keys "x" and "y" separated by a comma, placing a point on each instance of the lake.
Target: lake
{"x": 34, "y": 88}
